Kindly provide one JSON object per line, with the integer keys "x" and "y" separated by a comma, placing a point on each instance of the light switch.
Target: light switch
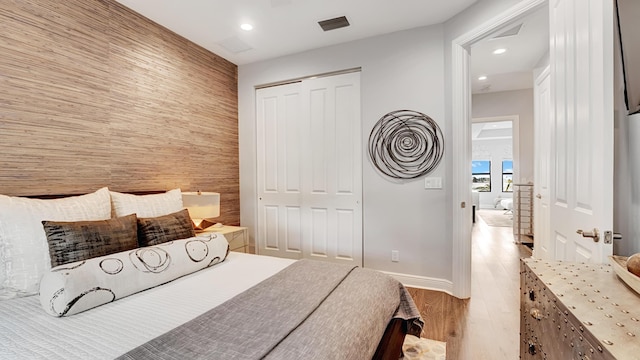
{"x": 433, "y": 183}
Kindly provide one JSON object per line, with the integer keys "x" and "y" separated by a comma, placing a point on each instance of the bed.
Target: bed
{"x": 236, "y": 305}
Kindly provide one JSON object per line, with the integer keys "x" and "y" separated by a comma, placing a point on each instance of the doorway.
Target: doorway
{"x": 462, "y": 113}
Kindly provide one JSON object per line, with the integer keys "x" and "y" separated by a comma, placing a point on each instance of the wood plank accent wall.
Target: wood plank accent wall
{"x": 93, "y": 94}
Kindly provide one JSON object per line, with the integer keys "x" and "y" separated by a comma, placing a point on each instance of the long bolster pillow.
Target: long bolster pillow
{"x": 75, "y": 287}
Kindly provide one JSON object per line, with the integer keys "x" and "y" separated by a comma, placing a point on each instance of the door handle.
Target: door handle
{"x": 590, "y": 234}
{"x": 539, "y": 196}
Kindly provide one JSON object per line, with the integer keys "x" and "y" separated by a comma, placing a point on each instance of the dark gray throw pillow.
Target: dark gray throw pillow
{"x": 161, "y": 229}
{"x": 81, "y": 240}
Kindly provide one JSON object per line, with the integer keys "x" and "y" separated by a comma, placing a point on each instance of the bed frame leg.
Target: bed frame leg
{"x": 390, "y": 346}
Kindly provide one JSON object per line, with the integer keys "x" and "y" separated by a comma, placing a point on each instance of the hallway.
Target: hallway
{"x": 486, "y": 326}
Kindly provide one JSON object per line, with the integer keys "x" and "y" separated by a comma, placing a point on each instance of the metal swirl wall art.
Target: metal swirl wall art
{"x": 406, "y": 144}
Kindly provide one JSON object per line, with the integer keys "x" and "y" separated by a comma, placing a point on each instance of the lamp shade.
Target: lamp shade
{"x": 201, "y": 205}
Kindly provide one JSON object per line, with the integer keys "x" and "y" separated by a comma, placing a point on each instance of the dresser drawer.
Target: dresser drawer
{"x": 576, "y": 311}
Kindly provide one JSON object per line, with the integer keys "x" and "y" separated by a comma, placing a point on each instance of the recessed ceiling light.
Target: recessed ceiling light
{"x": 499, "y": 51}
{"x": 482, "y": 78}
{"x": 246, "y": 27}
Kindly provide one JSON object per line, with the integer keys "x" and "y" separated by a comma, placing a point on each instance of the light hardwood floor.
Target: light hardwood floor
{"x": 487, "y": 326}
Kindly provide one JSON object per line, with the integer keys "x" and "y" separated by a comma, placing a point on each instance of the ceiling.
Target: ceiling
{"x": 513, "y": 69}
{"x": 492, "y": 130}
{"x": 283, "y": 27}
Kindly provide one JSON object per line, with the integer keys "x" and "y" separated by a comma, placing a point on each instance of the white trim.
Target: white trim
{"x": 461, "y": 138}
{"x": 541, "y": 250}
{"x": 422, "y": 282}
{"x": 461, "y": 189}
{"x": 541, "y": 77}
{"x": 308, "y": 77}
{"x": 515, "y": 139}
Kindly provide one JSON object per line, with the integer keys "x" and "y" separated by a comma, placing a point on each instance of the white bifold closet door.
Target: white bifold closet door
{"x": 309, "y": 159}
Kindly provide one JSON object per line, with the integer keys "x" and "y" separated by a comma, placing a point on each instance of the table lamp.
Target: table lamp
{"x": 202, "y": 206}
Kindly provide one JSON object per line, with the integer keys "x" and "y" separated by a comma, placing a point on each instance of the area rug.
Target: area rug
{"x": 416, "y": 348}
{"x": 496, "y": 217}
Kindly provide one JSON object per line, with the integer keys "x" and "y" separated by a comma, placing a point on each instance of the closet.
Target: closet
{"x": 309, "y": 169}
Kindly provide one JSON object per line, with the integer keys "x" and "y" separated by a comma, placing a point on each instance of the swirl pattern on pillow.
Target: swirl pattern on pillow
{"x": 75, "y": 287}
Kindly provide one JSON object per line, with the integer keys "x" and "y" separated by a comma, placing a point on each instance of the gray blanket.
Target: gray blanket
{"x": 309, "y": 310}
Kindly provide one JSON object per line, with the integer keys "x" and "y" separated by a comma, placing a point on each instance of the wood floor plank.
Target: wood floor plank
{"x": 487, "y": 325}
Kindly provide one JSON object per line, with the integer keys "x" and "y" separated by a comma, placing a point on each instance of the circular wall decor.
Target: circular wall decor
{"x": 406, "y": 144}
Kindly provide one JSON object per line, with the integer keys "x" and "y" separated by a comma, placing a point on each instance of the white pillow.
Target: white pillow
{"x": 75, "y": 287}
{"x": 146, "y": 206}
{"x": 24, "y": 253}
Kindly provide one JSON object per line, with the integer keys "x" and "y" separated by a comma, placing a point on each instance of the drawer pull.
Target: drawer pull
{"x": 536, "y": 314}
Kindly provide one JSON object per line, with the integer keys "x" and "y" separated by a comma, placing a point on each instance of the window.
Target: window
{"x": 481, "y": 175}
{"x": 507, "y": 175}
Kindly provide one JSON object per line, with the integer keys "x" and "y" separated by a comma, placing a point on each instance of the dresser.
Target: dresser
{"x": 576, "y": 311}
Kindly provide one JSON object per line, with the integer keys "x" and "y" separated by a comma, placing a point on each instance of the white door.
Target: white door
{"x": 310, "y": 169}
{"x": 581, "y": 197}
{"x": 279, "y": 162}
{"x": 542, "y": 142}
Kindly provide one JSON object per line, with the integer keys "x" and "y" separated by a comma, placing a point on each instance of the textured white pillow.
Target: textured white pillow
{"x": 24, "y": 253}
{"x": 75, "y": 287}
{"x": 146, "y": 206}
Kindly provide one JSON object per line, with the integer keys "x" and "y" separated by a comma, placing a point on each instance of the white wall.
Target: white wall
{"x": 627, "y": 182}
{"x": 494, "y": 150}
{"x": 403, "y": 70}
{"x": 504, "y": 103}
{"x": 626, "y": 206}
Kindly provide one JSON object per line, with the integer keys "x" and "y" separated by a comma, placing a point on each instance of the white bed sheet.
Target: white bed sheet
{"x": 108, "y": 331}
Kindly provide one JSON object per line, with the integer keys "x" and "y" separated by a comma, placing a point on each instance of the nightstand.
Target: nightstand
{"x": 237, "y": 236}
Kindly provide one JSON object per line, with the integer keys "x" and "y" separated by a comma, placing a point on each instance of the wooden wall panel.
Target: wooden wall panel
{"x": 93, "y": 94}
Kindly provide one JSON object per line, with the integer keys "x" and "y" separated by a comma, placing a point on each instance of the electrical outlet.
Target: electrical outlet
{"x": 395, "y": 255}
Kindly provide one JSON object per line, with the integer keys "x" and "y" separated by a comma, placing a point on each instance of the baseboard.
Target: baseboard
{"x": 423, "y": 282}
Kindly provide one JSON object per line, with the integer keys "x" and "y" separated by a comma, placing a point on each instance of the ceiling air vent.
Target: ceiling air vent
{"x": 335, "y": 23}
{"x": 508, "y": 33}
{"x": 234, "y": 45}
